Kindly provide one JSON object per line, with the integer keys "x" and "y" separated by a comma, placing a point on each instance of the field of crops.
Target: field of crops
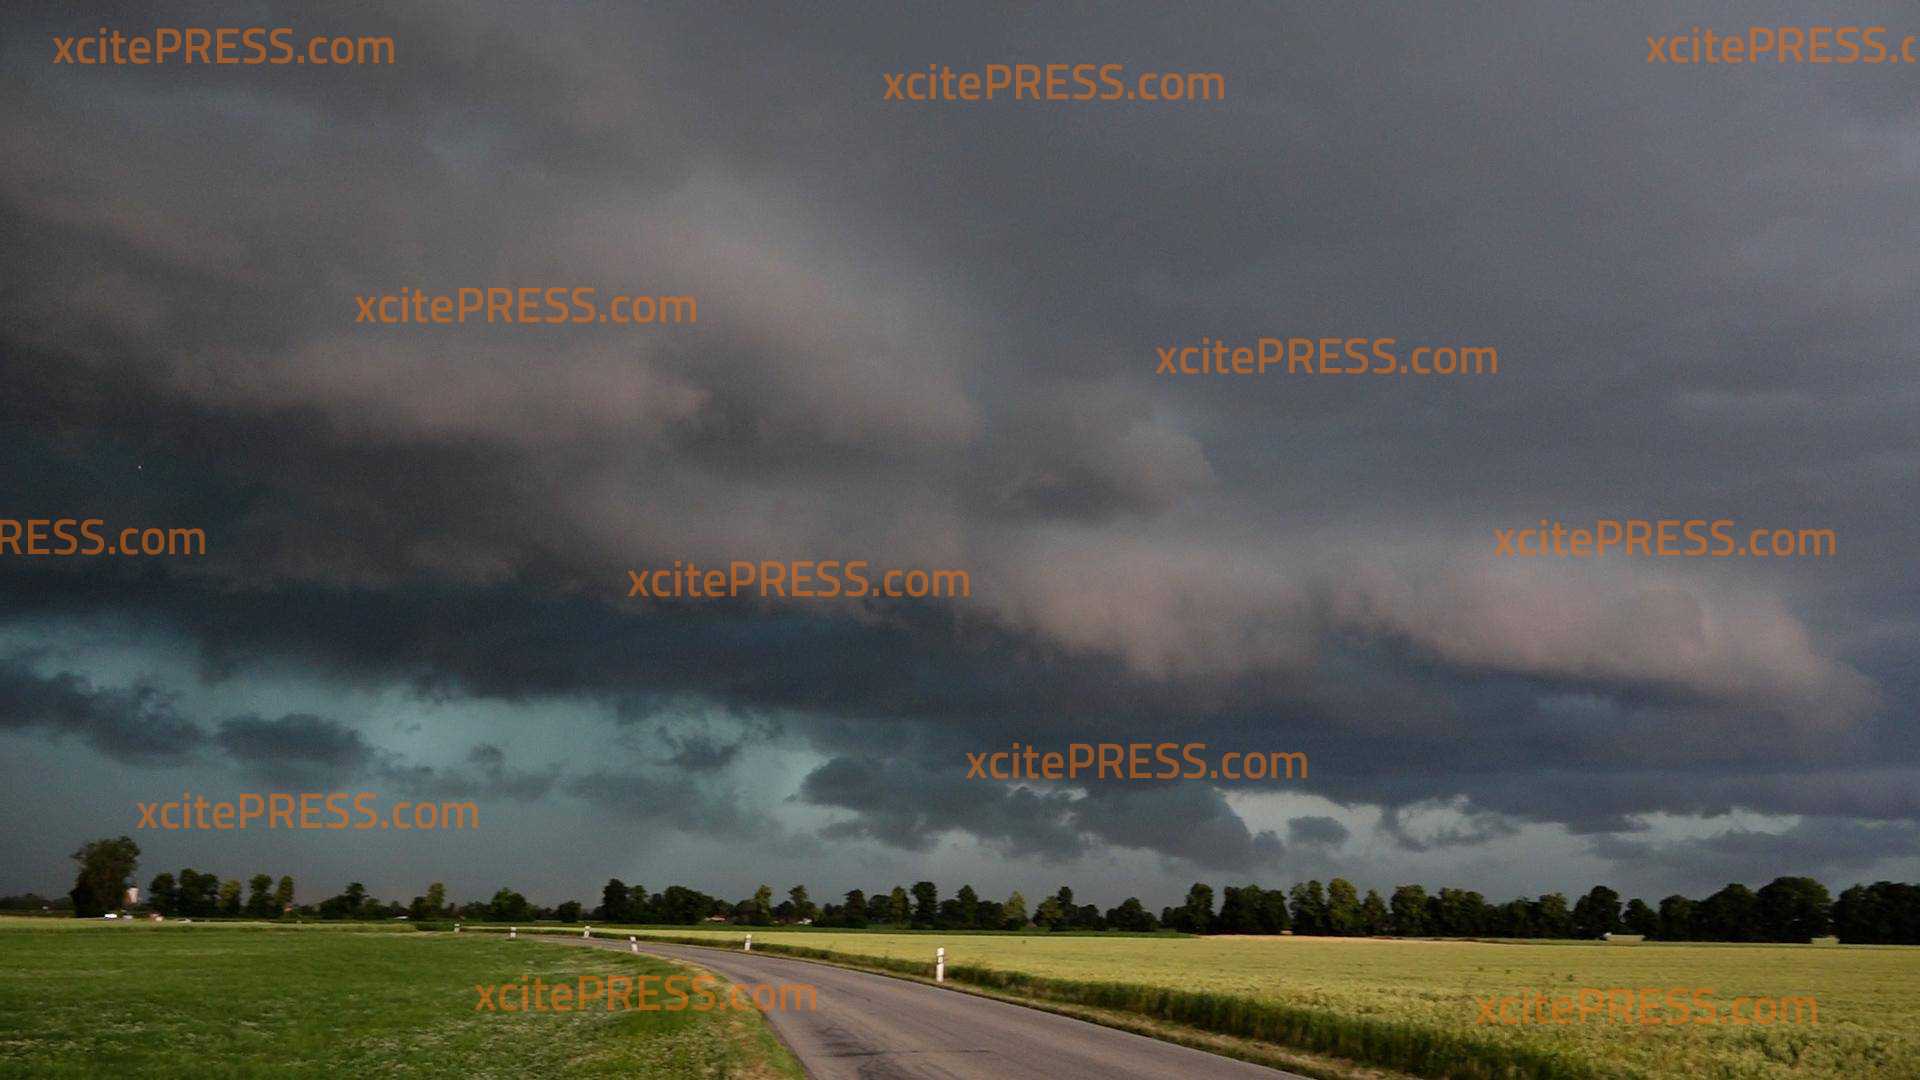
{"x": 1868, "y": 997}
{"x": 90, "y": 998}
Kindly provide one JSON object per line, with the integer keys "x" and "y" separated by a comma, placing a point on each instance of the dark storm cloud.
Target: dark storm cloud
{"x": 697, "y": 805}
{"x": 1829, "y": 849}
{"x": 296, "y": 742}
{"x": 927, "y": 338}
{"x": 1316, "y": 830}
{"x": 909, "y": 806}
{"x": 137, "y": 724}
{"x": 699, "y": 752}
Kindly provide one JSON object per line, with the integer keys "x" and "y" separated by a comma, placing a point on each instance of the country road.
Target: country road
{"x": 871, "y": 1027}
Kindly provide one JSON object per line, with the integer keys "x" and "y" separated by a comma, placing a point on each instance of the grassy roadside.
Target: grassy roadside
{"x": 239, "y": 1001}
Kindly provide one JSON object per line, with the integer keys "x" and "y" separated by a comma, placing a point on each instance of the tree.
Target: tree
{"x": 897, "y": 906}
{"x": 1732, "y": 914}
{"x": 1343, "y": 908}
{"x": 199, "y": 894}
{"x": 1014, "y": 912}
{"x": 1273, "y": 912}
{"x": 1596, "y": 913}
{"x": 760, "y": 908}
{"x": 1459, "y": 912}
{"x": 1197, "y": 912}
{"x": 1309, "y": 908}
{"x": 991, "y": 915}
{"x": 1409, "y": 915}
{"x": 282, "y": 896}
{"x": 230, "y": 898}
{"x": 101, "y": 885}
{"x": 854, "y": 915}
{"x": 1676, "y": 918}
{"x": 260, "y": 897}
{"x": 1374, "y": 919}
{"x": 1131, "y": 916}
{"x": 1515, "y": 919}
{"x": 969, "y": 907}
{"x": 949, "y": 917}
{"x": 926, "y": 904}
{"x": 506, "y": 906}
{"x": 879, "y": 906}
{"x": 1550, "y": 914}
{"x": 1794, "y": 909}
{"x": 1239, "y": 910}
{"x": 568, "y": 912}
{"x": 163, "y": 895}
{"x": 682, "y": 906}
{"x": 353, "y": 903}
{"x": 1049, "y": 916}
{"x": 615, "y": 900}
{"x": 1640, "y": 919}
{"x": 803, "y": 908}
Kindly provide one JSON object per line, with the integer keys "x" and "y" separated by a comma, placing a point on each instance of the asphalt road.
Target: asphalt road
{"x": 871, "y": 1027}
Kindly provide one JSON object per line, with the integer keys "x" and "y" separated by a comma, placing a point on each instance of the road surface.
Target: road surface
{"x": 871, "y": 1027}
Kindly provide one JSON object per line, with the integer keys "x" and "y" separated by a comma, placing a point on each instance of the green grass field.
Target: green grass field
{"x": 89, "y": 998}
{"x": 1868, "y": 997}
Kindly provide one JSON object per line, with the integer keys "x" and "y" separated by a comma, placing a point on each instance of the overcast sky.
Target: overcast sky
{"x": 927, "y": 338}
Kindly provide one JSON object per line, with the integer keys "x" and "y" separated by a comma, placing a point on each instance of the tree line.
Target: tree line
{"x": 1787, "y": 909}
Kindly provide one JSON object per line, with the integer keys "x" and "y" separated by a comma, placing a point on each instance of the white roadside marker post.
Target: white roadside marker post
{"x": 456, "y": 928}
{"x": 633, "y": 943}
{"x": 940, "y": 964}
{"x": 588, "y": 932}
{"x": 749, "y": 946}
{"x": 513, "y": 931}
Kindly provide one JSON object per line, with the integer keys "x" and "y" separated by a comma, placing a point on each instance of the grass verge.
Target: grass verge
{"x": 178, "y": 1001}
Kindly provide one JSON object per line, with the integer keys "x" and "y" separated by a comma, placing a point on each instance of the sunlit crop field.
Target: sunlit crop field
{"x": 1868, "y": 996}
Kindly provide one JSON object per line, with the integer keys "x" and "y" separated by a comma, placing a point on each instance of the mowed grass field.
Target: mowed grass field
{"x": 95, "y": 998}
{"x": 1868, "y": 996}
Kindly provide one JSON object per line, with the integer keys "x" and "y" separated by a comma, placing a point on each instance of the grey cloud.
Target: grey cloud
{"x": 916, "y": 346}
{"x": 1316, "y": 829}
{"x": 1827, "y": 848}
{"x": 138, "y": 724}
{"x": 1476, "y": 827}
{"x": 909, "y": 805}
{"x": 699, "y": 752}
{"x": 296, "y": 748}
